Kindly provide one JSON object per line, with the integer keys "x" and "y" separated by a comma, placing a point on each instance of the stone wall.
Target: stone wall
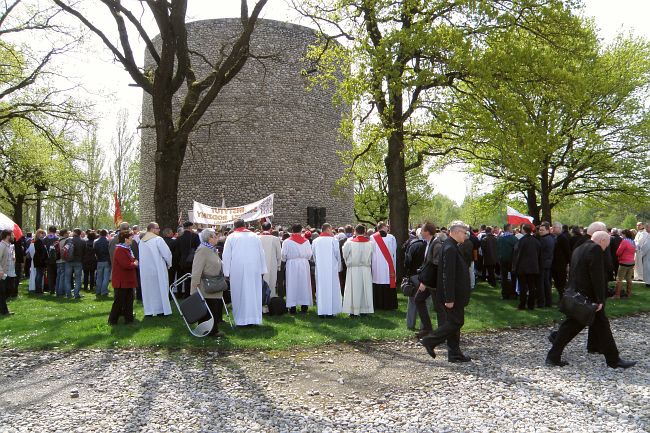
{"x": 265, "y": 133}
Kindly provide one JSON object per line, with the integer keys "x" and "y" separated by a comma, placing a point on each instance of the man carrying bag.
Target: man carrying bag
{"x": 587, "y": 278}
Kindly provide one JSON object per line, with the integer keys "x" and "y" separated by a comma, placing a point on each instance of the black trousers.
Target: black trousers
{"x": 216, "y": 307}
{"x": 559, "y": 279}
{"x": 491, "y": 277}
{"x": 89, "y": 276}
{"x": 122, "y": 306}
{"x": 507, "y": 286}
{"x": 450, "y": 320}
{"x": 544, "y": 295}
{"x": 527, "y": 290}
{"x": 601, "y": 330}
{"x": 383, "y": 297}
{"x": 51, "y": 278}
{"x": 185, "y": 290}
{"x": 420, "y": 300}
{"x": 3, "y": 297}
{"x": 19, "y": 271}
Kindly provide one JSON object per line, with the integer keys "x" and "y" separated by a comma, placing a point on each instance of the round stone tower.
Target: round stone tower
{"x": 265, "y": 133}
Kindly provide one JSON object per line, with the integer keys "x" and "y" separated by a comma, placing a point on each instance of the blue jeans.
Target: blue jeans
{"x": 102, "y": 276}
{"x": 38, "y": 286}
{"x": 70, "y": 268}
{"x": 60, "y": 279}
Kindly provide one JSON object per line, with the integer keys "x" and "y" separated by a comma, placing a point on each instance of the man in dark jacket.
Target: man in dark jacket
{"x": 103, "y": 256}
{"x": 561, "y": 256}
{"x": 489, "y": 248}
{"x": 414, "y": 250}
{"x": 51, "y": 242}
{"x": 526, "y": 264}
{"x": 168, "y": 237}
{"x": 452, "y": 296}
{"x": 587, "y": 276}
{"x": 187, "y": 244}
{"x": 427, "y": 276}
{"x": 19, "y": 251}
{"x": 505, "y": 248}
{"x": 73, "y": 263}
{"x": 615, "y": 242}
{"x": 547, "y": 242}
{"x": 40, "y": 260}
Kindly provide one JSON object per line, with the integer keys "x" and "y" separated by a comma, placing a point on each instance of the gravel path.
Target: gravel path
{"x": 366, "y": 388}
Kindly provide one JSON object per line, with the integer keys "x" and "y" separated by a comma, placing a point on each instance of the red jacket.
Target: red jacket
{"x": 123, "y": 274}
{"x": 625, "y": 252}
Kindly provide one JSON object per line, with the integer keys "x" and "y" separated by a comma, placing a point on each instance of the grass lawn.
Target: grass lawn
{"x": 49, "y": 322}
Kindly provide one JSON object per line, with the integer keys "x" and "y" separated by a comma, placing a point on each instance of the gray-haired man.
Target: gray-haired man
{"x": 452, "y": 295}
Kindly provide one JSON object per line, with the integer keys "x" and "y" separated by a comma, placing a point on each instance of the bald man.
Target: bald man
{"x": 587, "y": 276}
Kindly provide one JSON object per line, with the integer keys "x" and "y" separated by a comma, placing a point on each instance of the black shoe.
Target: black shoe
{"x": 552, "y": 336}
{"x": 422, "y": 333}
{"x": 550, "y": 363}
{"x": 621, "y": 363}
{"x": 292, "y": 310}
{"x": 459, "y": 358}
{"x": 429, "y": 349}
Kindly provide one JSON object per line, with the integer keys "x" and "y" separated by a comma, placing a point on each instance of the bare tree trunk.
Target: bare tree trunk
{"x": 17, "y": 206}
{"x": 531, "y": 202}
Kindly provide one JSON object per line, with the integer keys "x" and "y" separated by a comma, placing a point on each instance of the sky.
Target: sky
{"x": 106, "y": 84}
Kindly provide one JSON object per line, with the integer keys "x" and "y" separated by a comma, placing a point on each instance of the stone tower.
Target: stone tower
{"x": 265, "y": 133}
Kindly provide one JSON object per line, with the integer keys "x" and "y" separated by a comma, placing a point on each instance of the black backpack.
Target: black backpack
{"x": 277, "y": 306}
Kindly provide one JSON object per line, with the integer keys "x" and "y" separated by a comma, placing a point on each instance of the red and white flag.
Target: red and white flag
{"x": 7, "y": 223}
{"x": 516, "y": 218}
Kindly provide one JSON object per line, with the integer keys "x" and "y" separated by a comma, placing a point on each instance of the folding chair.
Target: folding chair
{"x": 193, "y": 309}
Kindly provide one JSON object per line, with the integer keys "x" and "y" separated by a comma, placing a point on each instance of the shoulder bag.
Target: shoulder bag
{"x": 578, "y": 307}
{"x": 215, "y": 284}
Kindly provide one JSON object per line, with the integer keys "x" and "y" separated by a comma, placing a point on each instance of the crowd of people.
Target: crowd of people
{"x": 350, "y": 270}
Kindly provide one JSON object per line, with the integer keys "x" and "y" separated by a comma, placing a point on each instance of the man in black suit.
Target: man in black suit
{"x": 526, "y": 263}
{"x": 187, "y": 243}
{"x": 587, "y": 276}
{"x": 452, "y": 295}
{"x": 427, "y": 276}
{"x": 489, "y": 248}
{"x": 561, "y": 256}
{"x": 613, "y": 247}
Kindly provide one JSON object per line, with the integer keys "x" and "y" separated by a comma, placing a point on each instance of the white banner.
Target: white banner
{"x": 219, "y": 216}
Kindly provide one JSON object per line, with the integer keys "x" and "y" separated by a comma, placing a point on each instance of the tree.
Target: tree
{"x": 172, "y": 70}
{"x": 124, "y": 171}
{"x": 95, "y": 194}
{"x": 400, "y": 60}
{"x": 553, "y": 124}
{"x": 29, "y": 160}
{"x": 25, "y": 90}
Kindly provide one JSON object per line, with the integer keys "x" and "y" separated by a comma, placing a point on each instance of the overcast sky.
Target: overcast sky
{"x": 107, "y": 83}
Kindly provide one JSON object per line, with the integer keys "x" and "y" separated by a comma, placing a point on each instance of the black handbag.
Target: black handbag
{"x": 215, "y": 284}
{"x": 410, "y": 285}
{"x": 578, "y": 307}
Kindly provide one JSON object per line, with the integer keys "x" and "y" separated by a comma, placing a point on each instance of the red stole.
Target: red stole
{"x": 360, "y": 238}
{"x": 297, "y": 237}
{"x": 241, "y": 229}
{"x": 384, "y": 251}
{"x": 326, "y": 234}
{"x": 266, "y": 234}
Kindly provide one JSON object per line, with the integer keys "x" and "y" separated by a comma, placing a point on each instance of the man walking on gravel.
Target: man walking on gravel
{"x": 452, "y": 295}
{"x": 587, "y": 276}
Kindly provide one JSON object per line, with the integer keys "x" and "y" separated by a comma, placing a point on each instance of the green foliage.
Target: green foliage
{"x": 553, "y": 122}
{"x": 46, "y": 322}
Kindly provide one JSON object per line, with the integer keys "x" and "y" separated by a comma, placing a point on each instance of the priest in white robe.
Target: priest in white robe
{"x": 384, "y": 263}
{"x": 273, "y": 255}
{"x": 244, "y": 264}
{"x": 645, "y": 256}
{"x": 296, "y": 252}
{"x": 327, "y": 258}
{"x": 357, "y": 253}
{"x": 641, "y": 237}
{"x": 155, "y": 260}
